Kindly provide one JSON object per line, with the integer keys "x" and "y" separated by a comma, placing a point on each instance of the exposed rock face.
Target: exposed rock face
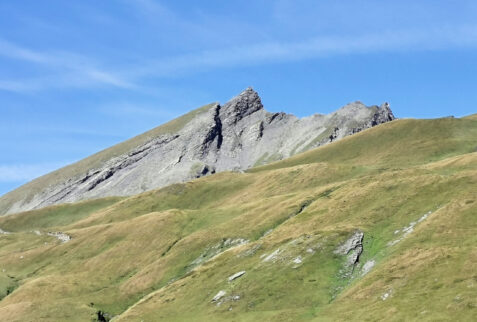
{"x": 236, "y": 275}
{"x": 64, "y": 238}
{"x": 236, "y": 136}
{"x": 352, "y": 248}
{"x": 219, "y": 295}
{"x": 355, "y": 242}
{"x": 216, "y": 249}
{"x": 368, "y": 266}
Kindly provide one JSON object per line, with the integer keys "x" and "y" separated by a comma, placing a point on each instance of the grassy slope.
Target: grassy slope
{"x": 58, "y": 215}
{"x": 401, "y": 143}
{"x": 96, "y": 160}
{"x": 471, "y": 117}
{"x": 135, "y": 257}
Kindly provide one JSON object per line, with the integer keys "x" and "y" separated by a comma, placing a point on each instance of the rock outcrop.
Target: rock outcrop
{"x": 352, "y": 248}
{"x": 236, "y": 275}
{"x": 236, "y": 136}
{"x": 62, "y": 237}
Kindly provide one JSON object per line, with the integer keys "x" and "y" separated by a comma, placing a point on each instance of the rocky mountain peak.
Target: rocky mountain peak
{"x": 384, "y": 114}
{"x": 237, "y": 135}
{"x": 242, "y": 105}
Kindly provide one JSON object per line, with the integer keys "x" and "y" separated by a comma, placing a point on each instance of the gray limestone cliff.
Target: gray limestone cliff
{"x": 235, "y": 136}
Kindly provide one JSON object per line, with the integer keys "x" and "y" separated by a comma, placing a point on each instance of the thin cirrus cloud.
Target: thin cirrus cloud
{"x": 67, "y": 69}
{"x": 8, "y": 49}
{"x": 133, "y": 110}
{"x": 438, "y": 38}
{"x": 72, "y": 70}
{"x": 26, "y": 172}
{"x": 14, "y": 86}
{"x": 81, "y": 79}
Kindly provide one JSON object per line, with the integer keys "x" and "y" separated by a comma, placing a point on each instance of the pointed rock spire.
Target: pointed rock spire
{"x": 242, "y": 105}
{"x": 385, "y": 113}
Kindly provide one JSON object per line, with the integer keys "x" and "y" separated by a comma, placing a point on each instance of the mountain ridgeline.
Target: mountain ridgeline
{"x": 232, "y": 137}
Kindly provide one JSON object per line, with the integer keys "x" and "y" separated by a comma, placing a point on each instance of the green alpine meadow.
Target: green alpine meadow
{"x": 378, "y": 226}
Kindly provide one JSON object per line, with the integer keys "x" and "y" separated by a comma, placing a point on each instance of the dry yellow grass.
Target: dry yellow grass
{"x": 164, "y": 254}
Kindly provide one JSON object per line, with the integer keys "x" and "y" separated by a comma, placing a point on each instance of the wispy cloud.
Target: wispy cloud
{"x": 150, "y": 8}
{"x": 77, "y": 71}
{"x": 446, "y": 37}
{"x": 122, "y": 109}
{"x": 376, "y": 36}
{"x": 57, "y": 129}
{"x": 107, "y": 78}
{"x": 66, "y": 69}
{"x": 11, "y": 50}
{"x": 27, "y": 172}
{"x": 14, "y": 86}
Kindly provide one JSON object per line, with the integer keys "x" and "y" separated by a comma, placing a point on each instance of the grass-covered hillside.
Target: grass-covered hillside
{"x": 381, "y": 225}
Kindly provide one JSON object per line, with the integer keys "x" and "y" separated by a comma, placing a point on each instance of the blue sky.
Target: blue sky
{"x": 79, "y": 76}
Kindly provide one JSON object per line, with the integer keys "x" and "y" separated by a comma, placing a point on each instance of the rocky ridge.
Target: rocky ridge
{"x": 235, "y": 136}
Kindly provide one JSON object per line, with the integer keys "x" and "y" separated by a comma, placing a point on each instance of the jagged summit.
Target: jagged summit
{"x": 385, "y": 112}
{"x": 237, "y": 135}
{"x": 240, "y": 106}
